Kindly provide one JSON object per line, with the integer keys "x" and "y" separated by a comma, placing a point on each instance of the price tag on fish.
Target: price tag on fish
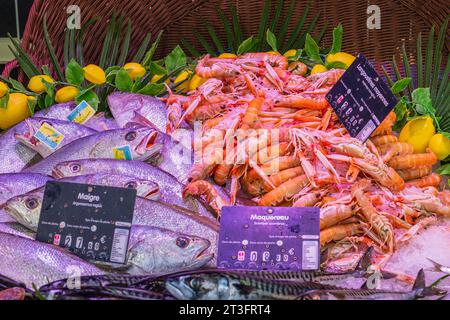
{"x": 92, "y": 221}
{"x": 361, "y": 99}
{"x": 269, "y": 238}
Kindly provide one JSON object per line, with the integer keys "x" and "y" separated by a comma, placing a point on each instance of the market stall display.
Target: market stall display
{"x": 194, "y": 134}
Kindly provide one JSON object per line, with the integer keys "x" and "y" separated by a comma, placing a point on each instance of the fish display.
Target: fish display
{"x": 36, "y": 263}
{"x": 136, "y": 108}
{"x": 66, "y": 131}
{"x": 137, "y": 142}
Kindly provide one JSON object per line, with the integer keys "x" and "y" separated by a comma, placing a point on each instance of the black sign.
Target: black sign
{"x": 361, "y": 99}
{"x": 93, "y": 222}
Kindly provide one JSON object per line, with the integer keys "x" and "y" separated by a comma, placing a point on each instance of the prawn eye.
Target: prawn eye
{"x": 131, "y": 136}
{"x": 182, "y": 242}
{"x": 31, "y": 203}
{"x": 75, "y": 168}
{"x": 131, "y": 185}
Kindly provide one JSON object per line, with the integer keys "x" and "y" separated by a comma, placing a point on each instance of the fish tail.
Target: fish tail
{"x": 437, "y": 267}
{"x": 422, "y": 290}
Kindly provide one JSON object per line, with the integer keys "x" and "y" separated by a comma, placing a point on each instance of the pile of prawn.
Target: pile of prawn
{"x": 378, "y": 193}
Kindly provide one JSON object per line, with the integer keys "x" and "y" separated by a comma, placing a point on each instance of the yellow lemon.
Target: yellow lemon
{"x": 156, "y": 78}
{"x": 16, "y": 110}
{"x": 343, "y": 57}
{"x": 196, "y": 81}
{"x": 418, "y": 133}
{"x": 227, "y": 55}
{"x": 181, "y": 77}
{"x": 36, "y": 85}
{"x": 135, "y": 70}
{"x": 440, "y": 145}
{"x": 318, "y": 68}
{"x": 290, "y": 53}
{"x": 66, "y": 94}
{"x": 273, "y": 52}
{"x": 3, "y": 89}
{"x": 94, "y": 74}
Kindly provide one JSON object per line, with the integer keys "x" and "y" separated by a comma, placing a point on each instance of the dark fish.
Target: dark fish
{"x": 419, "y": 290}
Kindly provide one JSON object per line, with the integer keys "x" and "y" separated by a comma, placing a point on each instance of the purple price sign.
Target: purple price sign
{"x": 269, "y": 238}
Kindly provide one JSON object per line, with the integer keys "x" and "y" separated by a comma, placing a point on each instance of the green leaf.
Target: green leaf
{"x": 422, "y": 100}
{"x": 336, "y": 65}
{"x": 107, "y": 41}
{"x": 152, "y": 89}
{"x": 293, "y": 39}
{"x": 337, "y": 39}
{"x": 401, "y": 111}
{"x": 285, "y": 25}
{"x": 88, "y": 96}
{"x": 4, "y": 100}
{"x": 49, "y": 89}
{"x": 51, "y": 52}
{"x": 23, "y": 58}
{"x": 149, "y": 55}
{"x": 123, "y": 81}
{"x": 74, "y": 73}
{"x": 445, "y": 169}
{"x": 175, "y": 59}
{"x": 263, "y": 23}
{"x": 143, "y": 48}
{"x": 157, "y": 69}
{"x": 48, "y": 101}
{"x": 213, "y": 34}
{"x": 31, "y": 105}
{"x": 312, "y": 49}
{"x": 17, "y": 85}
{"x": 125, "y": 46}
{"x": 236, "y": 25}
{"x": 400, "y": 85}
{"x": 271, "y": 40}
{"x": 248, "y": 45}
{"x": 227, "y": 28}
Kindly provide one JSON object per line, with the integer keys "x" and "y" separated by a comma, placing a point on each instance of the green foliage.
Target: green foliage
{"x": 272, "y": 31}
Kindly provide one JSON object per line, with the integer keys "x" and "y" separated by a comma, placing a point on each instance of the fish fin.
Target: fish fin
{"x": 420, "y": 280}
{"x": 365, "y": 260}
{"x": 364, "y": 286}
{"x": 437, "y": 267}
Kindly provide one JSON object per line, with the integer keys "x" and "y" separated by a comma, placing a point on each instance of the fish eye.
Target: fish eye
{"x": 31, "y": 203}
{"x": 75, "y": 168}
{"x": 182, "y": 242}
{"x": 195, "y": 283}
{"x": 131, "y": 185}
{"x": 131, "y": 136}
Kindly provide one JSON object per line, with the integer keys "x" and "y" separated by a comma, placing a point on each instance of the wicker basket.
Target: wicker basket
{"x": 401, "y": 21}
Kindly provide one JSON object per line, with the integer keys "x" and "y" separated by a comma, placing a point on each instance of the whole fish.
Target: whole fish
{"x": 234, "y": 286}
{"x": 13, "y": 154}
{"x": 419, "y": 290}
{"x": 13, "y": 184}
{"x": 144, "y": 188}
{"x": 170, "y": 190}
{"x": 151, "y": 250}
{"x": 33, "y": 262}
{"x": 140, "y": 143}
{"x": 26, "y": 210}
{"x": 61, "y": 111}
{"x": 70, "y": 131}
{"x": 137, "y": 108}
{"x": 361, "y": 271}
{"x": 155, "y": 251}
